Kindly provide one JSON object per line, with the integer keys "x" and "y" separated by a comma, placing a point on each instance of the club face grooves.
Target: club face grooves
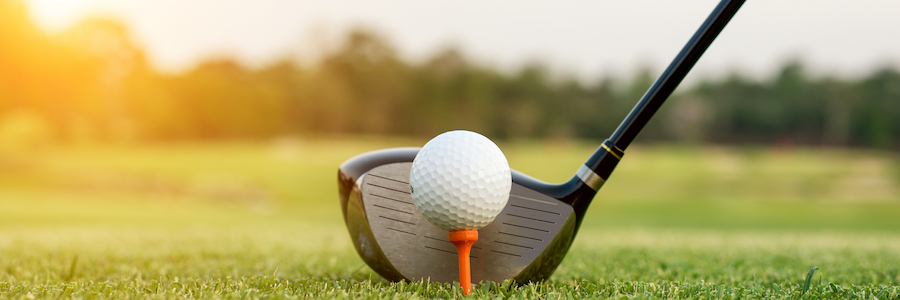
{"x": 525, "y": 242}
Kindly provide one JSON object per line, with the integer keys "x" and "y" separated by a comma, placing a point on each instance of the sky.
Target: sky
{"x": 585, "y": 38}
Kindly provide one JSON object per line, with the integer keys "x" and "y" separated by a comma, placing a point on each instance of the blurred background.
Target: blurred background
{"x": 173, "y": 113}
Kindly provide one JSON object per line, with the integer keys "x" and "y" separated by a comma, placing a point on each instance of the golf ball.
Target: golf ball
{"x": 460, "y": 180}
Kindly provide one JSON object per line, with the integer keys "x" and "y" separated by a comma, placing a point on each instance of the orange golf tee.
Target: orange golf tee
{"x": 463, "y": 239}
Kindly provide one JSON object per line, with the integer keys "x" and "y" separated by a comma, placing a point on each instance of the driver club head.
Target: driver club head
{"x": 526, "y": 242}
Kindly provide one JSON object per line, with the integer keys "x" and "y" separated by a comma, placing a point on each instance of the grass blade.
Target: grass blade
{"x": 72, "y": 268}
{"x": 809, "y": 277}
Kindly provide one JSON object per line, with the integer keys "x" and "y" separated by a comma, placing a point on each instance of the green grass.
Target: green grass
{"x": 266, "y": 260}
{"x": 261, "y": 219}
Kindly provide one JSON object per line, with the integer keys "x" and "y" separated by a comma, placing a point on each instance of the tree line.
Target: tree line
{"x": 92, "y": 82}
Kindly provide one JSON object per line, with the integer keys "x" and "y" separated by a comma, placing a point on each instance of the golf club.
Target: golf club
{"x": 532, "y": 234}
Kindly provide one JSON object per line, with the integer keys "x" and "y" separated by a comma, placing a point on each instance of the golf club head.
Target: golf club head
{"x": 526, "y": 242}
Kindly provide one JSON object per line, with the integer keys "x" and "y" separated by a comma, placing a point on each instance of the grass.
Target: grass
{"x": 261, "y": 220}
{"x": 205, "y": 262}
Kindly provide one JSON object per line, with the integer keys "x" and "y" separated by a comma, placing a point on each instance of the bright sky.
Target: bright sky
{"x": 589, "y": 38}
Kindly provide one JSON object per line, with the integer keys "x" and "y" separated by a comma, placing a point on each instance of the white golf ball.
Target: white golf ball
{"x": 460, "y": 180}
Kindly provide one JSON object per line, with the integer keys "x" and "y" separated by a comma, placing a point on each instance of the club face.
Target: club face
{"x": 526, "y": 242}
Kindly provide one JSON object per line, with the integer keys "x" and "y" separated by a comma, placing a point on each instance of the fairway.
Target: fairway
{"x": 262, "y": 220}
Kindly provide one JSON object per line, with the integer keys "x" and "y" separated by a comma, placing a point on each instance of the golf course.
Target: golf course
{"x": 261, "y": 219}
{"x": 223, "y": 150}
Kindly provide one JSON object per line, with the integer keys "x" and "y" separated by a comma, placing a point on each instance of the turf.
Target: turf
{"x": 261, "y": 220}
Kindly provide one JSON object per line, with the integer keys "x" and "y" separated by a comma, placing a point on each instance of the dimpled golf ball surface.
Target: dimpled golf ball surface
{"x": 460, "y": 180}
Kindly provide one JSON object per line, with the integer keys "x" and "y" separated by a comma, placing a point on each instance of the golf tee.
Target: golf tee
{"x": 463, "y": 239}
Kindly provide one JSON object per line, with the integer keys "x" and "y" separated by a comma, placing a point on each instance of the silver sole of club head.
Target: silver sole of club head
{"x": 526, "y": 242}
